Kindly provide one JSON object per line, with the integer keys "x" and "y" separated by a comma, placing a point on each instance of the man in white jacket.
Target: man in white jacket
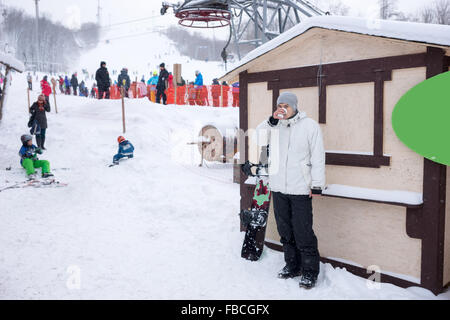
{"x": 296, "y": 174}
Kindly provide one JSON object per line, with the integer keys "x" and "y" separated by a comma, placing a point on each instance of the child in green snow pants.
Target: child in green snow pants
{"x": 30, "y": 165}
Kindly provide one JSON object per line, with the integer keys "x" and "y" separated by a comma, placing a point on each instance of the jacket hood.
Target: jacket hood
{"x": 299, "y": 116}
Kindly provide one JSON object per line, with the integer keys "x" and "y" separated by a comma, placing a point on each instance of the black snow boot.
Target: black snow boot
{"x": 42, "y": 143}
{"x": 307, "y": 281}
{"x": 39, "y": 141}
{"x": 289, "y": 272}
{"x": 47, "y": 175}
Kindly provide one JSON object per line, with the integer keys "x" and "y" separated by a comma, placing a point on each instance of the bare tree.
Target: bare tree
{"x": 338, "y": 8}
{"x": 442, "y": 11}
{"x": 388, "y": 8}
{"x": 427, "y": 14}
{"x": 57, "y": 45}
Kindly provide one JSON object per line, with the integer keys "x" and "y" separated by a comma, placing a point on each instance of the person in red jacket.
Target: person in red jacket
{"x": 46, "y": 89}
{"x": 170, "y": 80}
{"x": 61, "y": 84}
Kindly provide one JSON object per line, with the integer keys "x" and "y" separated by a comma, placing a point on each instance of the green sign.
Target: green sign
{"x": 421, "y": 118}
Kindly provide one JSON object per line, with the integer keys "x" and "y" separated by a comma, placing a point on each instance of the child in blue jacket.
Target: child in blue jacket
{"x": 126, "y": 150}
{"x": 29, "y": 160}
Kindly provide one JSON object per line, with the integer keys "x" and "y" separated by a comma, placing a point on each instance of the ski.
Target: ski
{"x": 11, "y": 169}
{"x": 36, "y": 183}
{"x": 254, "y": 220}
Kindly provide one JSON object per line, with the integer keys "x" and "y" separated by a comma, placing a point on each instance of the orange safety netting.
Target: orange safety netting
{"x": 214, "y": 95}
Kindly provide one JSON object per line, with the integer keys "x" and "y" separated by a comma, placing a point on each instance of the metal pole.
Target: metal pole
{"x": 38, "y": 55}
{"x": 123, "y": 108}
{"x": 4, "y": 91}
{"x": 264, "y": 21}
{"x": 28, "y": 94}
{"x": 54, "y": 98}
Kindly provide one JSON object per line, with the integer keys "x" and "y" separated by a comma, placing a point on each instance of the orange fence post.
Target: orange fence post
{"x": 170, "y": 92}
{"x": 133, "y": 88}
{"x": 215, "y": 93}
{"x": 225, "y": 102}
{"x": 191, "y": 94}
{"x": 205, "y": 96}
{"x": 181, "y": 92}
{"x": 235, "y": 92}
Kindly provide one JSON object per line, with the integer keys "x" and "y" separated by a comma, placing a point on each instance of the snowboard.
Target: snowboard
{"x": 254, "y": 219}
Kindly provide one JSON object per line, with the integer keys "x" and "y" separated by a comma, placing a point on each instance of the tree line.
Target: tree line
{"x": 58, "y": 47}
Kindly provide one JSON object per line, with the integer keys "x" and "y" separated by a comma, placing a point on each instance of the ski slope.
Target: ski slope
{"x": 141, "y": 48}
{"x": 154, "y": 227}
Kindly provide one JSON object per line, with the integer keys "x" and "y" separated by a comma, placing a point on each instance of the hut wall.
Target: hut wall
{"x": 356, "y": 231}
{"x": 363, "y": 233}
{"x": 330, "y": 46}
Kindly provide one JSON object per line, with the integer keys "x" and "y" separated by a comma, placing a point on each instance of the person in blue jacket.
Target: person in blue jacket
{"x": 153, "y": 81}
{"x": 126, "y": 150}
{"x": 198, "y": 80}
{"x": 67, "y": 85}
{"x": 29, "y": 160}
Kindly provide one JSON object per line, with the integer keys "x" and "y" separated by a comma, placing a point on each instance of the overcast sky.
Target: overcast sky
{"x": 74, "y": 12}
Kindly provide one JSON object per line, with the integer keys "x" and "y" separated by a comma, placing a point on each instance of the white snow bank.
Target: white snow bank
{"x": 154, "y": 227}
{"x": 397, "y": 196}
{"x": 410, "y": 31}
{"x": 12, "y": 62}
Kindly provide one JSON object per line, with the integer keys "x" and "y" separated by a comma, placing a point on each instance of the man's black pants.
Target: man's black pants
{"x": 160, "y": 92}
{"x": 102, "y": 92}
{"x": 293, "y": 214}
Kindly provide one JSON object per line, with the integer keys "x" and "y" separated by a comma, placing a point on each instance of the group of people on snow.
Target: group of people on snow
{"x": 299, "y": 178}
{"x": 195, "y": 92}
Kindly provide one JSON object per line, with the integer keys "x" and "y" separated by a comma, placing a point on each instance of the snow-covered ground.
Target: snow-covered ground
{"x": 154, "y": 227}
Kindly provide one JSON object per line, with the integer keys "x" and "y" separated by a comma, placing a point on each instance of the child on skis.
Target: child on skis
{"x": 29, "y": 160}
{"x": 125, "y": 150}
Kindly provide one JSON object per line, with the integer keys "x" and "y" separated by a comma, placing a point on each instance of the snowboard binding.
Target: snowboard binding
{"x": 261, "y": 169}
{"x": 254, "y": 218}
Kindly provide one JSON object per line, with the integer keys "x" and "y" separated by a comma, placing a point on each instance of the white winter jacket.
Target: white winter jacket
{"x": 296, "y": 154}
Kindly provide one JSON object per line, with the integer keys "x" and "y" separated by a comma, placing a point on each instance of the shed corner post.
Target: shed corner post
{"x": 434, "y": 198}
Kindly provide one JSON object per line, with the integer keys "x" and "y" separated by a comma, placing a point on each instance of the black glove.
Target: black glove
{"x": 30, "y": 123}
{"x": 28, "y": 155}
{"x": 273, "y": 122}
{"x": 38, "y": 150}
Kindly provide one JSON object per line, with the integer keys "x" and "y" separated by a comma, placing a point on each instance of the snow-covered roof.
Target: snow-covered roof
{"x": 410, "y": 31}
{"x": 12, "y": 62}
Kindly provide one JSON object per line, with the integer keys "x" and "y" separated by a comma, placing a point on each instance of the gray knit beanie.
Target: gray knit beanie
{"x": 288, "y": 98}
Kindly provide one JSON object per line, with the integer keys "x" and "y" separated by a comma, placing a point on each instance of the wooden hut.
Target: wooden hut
{"x": 385, "y": 205}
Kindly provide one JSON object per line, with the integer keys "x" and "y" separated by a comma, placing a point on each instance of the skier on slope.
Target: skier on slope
{"x": 162, "y": 84}
{"x": 46, "y": 89}
{"x": 152, "y": 82}
{"x": 126, "y": 150}
{"x": 198, "y": 87}
{"x": 38, "y": 120}
{"x": 29, "y": 160}
{"x": 30, "y": 81}
{"x": 103, "y": 81}
{"x": 74, "y": 83}
{"x": 67, "y": 85}
{"x": 296, "y": 174}
{"x": 154, "y": 79}
{"x": 123, "y": 80}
